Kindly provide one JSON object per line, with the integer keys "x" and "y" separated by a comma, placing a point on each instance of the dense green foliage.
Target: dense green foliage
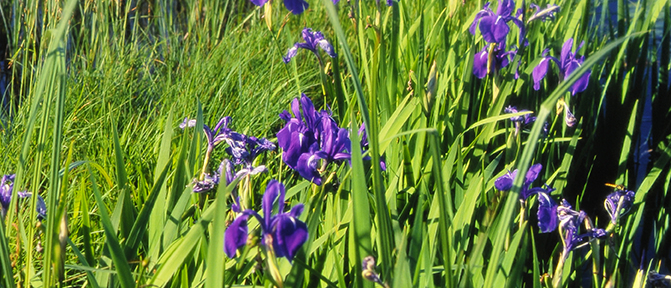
{"x": 95, "y": 91}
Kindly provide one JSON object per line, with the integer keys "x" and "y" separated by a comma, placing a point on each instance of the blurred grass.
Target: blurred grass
{"x": 109, "y": 81}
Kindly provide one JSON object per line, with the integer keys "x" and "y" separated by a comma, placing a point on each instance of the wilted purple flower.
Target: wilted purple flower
{"x": 569, "y": 118}
{"x": 220, "y": 133}
{"x": 389, "y": 2}
{"x": 312, "y": 41}
{"x": 494, "y": 26}
{"x": 519, "y": 121}
{"x": 6, "y": 188}
{"x": 481, "y": 65}
{"x": 295, "y": 6}
{"x": 505, "y": 182}
{"x": 567, "y": 64}
{"x": 368, "y": 272}
{"x": 569, "y": 224}
{"x": 618, "y": 203}
{"x": 245, "y": 151}
{"x": 206, "y": 184}
{"x": 544, "y": 14}
{"x": 311, "y": 139}
{"x": 525, "y": 119}
{"x": 547, "y": 212}
{"x": 286, "y": 233}
{"x": 658, "y": 280}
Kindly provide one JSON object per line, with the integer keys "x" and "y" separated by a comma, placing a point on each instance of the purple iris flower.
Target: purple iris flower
{"x": 281, "y": 232}
{"x": 618, "y": 203}
{"x": 505, "y": 182}
{"x": 6, "y": 188}
{"x": 312, "y": 41}
{"x": 208, "y": 183}
{"x": 494, "y": 26}
{"x": 569, "y": 224}
{"x": 481, "y": 66}
{"x": 295, "y": 6}
{"x": 543, "y": 14}
{"x": 245, "y": 151}
{"x": 310, "y": 140}
{"x": 568, "y": 63}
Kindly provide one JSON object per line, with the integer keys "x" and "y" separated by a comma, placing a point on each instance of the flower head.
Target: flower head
{"x": 281, "y": 232}
{"x": 618, "y": 203}
{"x": 206, "y": 184}
{"x": 310, "y": 140}
{"x": 519, "y": 121}
{"x": 6, "y": 189}
{"x": 312, "y": 41}
{"x": 494, "y": 26}
{"x": 569, "y": 224}
{"x": 247, "y": 149}
{"x": 505, "y": 182}
{"x": 568, "y": 63}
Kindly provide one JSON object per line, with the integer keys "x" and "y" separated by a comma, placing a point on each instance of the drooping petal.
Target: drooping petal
{"x": 532, "y": 174}
{"x": 296, "y": 6}
{"x": 581, "y": 84}
{"x": 480, "y": 64}
{"x": 235, "y": 236}
{"x": 291, "y": 53}
{"x": 494, "y": 29}
{"x": 327, "y": 47}
{"x": 482, "y": 13}
{"x": 296, "y": 210}
{"x": 539, "y": 72}
{"x": 289, "y": 235}
{"x": 505, "y": 182}
{"x": 547, "y": 213}
{"x": 307, "y": 166}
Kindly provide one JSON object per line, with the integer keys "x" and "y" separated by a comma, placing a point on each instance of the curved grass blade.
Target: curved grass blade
{"x": 118, "y": 258}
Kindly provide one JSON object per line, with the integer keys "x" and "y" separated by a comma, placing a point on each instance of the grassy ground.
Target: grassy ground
{"x": 100, "y": 87}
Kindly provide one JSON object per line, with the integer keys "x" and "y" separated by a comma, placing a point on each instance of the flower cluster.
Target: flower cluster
{"x": 311, "y": 139}
{"x": 282, "y": 233}
{"x": 6, "y": 189}
{"x": 243, "y": 150}
{"x": 567, "y": 63}
{"x": 553, "y": 216}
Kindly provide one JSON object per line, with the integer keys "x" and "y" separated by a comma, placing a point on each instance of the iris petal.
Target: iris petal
{"x": 235, "y": 235}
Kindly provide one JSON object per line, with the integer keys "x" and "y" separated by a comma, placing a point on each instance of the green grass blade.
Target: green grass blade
{"x": 120, "y": 262}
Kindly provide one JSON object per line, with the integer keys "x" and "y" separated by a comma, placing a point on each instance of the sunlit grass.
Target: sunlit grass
{"x": 96, "y": 91}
